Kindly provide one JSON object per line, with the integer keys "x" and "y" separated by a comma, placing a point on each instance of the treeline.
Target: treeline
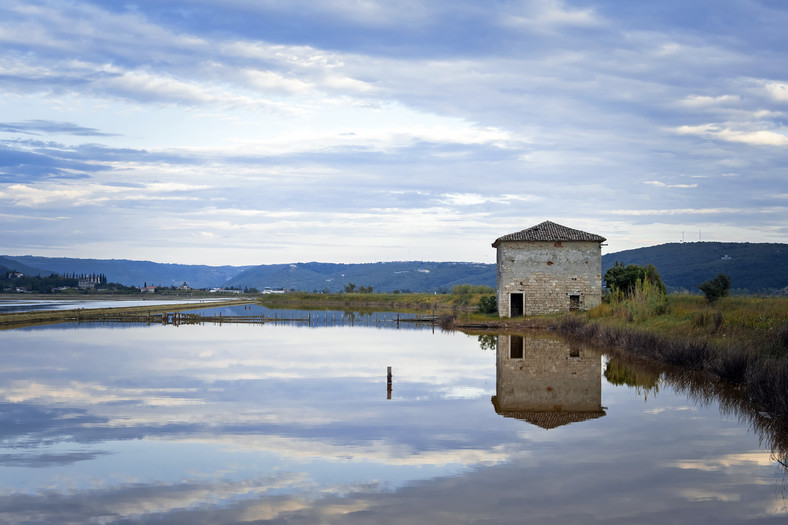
{"x": 13, "y": 281}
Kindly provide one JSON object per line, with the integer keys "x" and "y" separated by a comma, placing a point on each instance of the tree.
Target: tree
{"x": 625, "y": 278}
{"x": 716, "y": 288}
{"x": 488, "y": 304}
{"x": 349, "y": 287}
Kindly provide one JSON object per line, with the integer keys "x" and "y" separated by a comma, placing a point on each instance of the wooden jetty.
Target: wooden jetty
{"x": 327, "y": 319}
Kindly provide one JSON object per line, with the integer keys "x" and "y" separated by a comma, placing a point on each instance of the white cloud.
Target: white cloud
{"x": 702, "y": 101}
{"x": 778, "y": 91}
{"x": 144, "y": 84}
{"x": 471, "y": 199}
{"x": 720, "y": 132}
{"x": 269, "y": 80}
{"x": 681, "y": 211}
{"x": 79, "y": 194}
{"x": 549, "y": 15}
{"x": 661, "y": 184}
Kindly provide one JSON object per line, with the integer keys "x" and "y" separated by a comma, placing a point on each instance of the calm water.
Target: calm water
{"x": 29, "y": 305}
{"x": 293, "y": 424}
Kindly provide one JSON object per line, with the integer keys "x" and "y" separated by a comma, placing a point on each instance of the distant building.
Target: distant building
{"x": 87, "y": 283}
{"x": 148, "y": 289}
{"x": 548, "y": 268}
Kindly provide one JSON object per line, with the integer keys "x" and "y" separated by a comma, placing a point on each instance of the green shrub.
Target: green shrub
{"x": 644, "y": 301}
{"x": 488, "y": 304}
{"x": 716, "y": 288}
{"x": 625, "y": 279}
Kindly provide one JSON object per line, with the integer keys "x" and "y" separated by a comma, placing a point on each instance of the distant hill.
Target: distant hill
{"x": 7, "y": 264}
{"x": 133, "y": 273}
{"x": 753, "y": 267}
{"x": 416, "y": 276}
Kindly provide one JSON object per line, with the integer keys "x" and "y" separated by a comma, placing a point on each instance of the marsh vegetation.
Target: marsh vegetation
{"x": 740, "y": 340}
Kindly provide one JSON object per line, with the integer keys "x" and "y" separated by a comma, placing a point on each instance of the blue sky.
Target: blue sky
{"x": 255, "y": 132}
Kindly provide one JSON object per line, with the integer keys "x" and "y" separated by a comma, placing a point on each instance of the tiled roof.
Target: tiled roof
{"x": 549, "y": 231}
{"x": 548, "y": 420}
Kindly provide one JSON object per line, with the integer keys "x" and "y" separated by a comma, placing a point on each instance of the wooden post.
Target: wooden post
{"x": 388, "y": 388}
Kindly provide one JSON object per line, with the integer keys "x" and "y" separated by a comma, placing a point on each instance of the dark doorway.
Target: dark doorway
{"x": 516, "y": 304}
{"x": 574, "y": 303}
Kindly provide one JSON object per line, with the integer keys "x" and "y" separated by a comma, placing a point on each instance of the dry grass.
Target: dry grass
{"x": 411, "y": 302}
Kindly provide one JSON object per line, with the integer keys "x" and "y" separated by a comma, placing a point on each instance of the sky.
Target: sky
{"x": 249, "y": 132}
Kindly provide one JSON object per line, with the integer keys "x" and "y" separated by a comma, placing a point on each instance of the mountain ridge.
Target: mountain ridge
{"x": 753, "y": 267}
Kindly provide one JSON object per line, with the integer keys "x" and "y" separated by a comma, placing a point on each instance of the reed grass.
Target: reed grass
{"x": 740, "y": 340}
{"x": 404, "y": 302}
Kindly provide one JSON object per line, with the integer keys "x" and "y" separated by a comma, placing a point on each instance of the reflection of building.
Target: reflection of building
{"x": 548, "y": 268}
{"x": 547, "y": 382}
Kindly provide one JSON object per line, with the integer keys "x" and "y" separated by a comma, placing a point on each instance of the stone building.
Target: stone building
{"x": 546, "y": 381}
{"x": 548, "y": 268}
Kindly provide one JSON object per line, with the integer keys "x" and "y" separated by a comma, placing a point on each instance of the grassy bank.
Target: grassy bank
{"x": 740, "y": 340}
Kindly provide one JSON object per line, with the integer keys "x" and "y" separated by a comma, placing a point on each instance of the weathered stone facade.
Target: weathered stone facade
{"x": 548, "y": 268}
{"x": 546, "y": 381}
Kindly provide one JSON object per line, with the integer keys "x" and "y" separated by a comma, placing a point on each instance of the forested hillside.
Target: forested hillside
{"x": 133, "y": 273}
{"x": 8, "y": 264}
{"x": 416, "y": 276}
{"x": 753, "y": 267}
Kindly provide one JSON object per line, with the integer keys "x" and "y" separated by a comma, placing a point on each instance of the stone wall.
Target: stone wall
{"x": 549, "y": 274}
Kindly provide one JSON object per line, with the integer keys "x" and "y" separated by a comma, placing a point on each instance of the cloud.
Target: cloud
{"x": 41, "y": 127}
{"x": 778, "y": 91}
{"x": 684, "y": 211}
{"x": 67, "y": 196}
{"x": 356, "y": 107}
{"x": 548, "y": 15}
{"x": 661, "y": 184}
{"x": 721, "y": 132}
{"x": 704, "y": 101}
{"x": 470, "y": 199}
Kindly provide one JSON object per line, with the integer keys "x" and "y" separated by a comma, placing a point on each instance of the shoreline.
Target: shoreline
{"x": 13, "y": 320}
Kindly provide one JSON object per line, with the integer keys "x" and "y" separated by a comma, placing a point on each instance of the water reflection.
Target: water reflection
{"x": 546, "y": 381}
{"x": 703, "y": 390}
{"x": 620, "y": 371}
{"x": 241, "y": 424}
